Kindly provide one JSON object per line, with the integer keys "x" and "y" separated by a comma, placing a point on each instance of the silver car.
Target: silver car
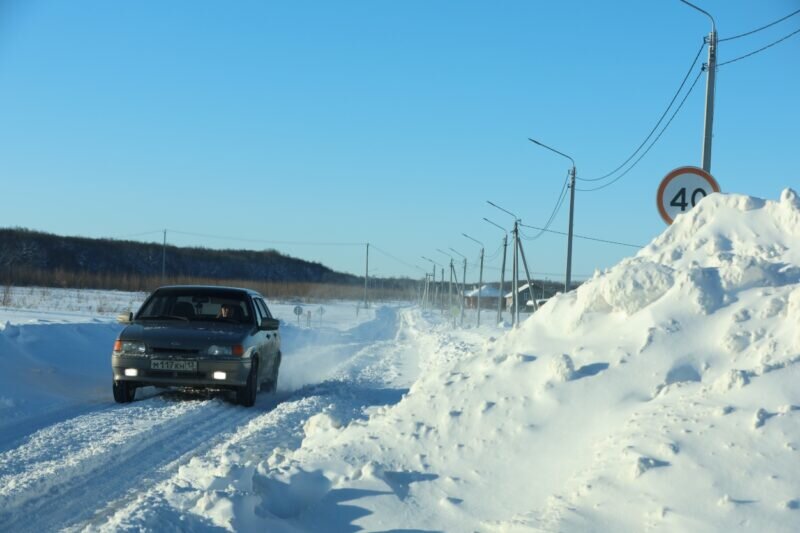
{"x": 198, "y": 337}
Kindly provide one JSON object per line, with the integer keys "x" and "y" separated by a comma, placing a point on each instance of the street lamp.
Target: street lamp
{"x": 710, "y": 87}
{"x": 450, "y": 286}
{"x": 502, "y": 272}
{"x": 514, "y": 266}
{"x": 480, "y": 278}
{"x": 571, "y": 210}
{"x": 463, "y": 285}
{"x": 435, "y": 287}
{"x": 423, "y": 286}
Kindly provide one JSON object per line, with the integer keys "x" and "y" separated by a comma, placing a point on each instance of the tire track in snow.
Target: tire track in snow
{"x": 64, "y": 472}
{"x": 221, "y": 487}
{"x": 92, "y": 470}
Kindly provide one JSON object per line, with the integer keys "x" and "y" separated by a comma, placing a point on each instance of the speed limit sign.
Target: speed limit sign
{"x": 681, "y": 189}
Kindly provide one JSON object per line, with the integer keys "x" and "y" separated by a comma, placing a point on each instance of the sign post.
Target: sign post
{"x": 681, "y": 189}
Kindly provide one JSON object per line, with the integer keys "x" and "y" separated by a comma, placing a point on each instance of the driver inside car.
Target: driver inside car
{"x": 227, "y": 311}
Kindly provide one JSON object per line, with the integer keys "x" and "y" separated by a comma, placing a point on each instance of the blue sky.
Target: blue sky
{"x": 383, "y": 122}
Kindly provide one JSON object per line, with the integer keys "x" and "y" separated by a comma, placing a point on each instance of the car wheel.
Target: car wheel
{"x": 246, "y": 395}
{"x": 272, "y": 384}
{"x": 124, "y": 391}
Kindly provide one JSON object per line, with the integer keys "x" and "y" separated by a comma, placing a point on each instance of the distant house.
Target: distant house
{"x": 489, "y": 297}
{"x": 527, "y": 298}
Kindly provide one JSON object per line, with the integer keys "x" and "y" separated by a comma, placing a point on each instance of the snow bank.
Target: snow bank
{"x": 661, "y": 394}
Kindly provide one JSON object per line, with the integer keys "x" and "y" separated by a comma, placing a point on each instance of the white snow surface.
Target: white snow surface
{"x": 661, "y": 395}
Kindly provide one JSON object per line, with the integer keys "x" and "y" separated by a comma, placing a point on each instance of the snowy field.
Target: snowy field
{"x": 661, "y": 395}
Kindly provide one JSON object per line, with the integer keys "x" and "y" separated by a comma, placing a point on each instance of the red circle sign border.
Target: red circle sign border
{"x": 678, "y": 172}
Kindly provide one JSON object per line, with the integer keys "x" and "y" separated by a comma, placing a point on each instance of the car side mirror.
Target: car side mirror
{"x": 270, "y": 324}
{"x": 125, "y": 318}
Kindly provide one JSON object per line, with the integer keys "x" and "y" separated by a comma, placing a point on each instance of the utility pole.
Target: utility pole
{"x": 572, "y": 173}
{"x": 164, "y": 258}
{"x": 527, "y": 274}
{"x": 480, "y": 280}
{"x": 463, "y": 287}
{"x": 515, "y": 277}
{"x": 433, "y": 277}
{"x": 366, "y": 281}
{"x": 514, "y": 268}
{"x": 502, "y": 272}
{"x": 450, "y": 286}
{"x": 568, "y": 281}
{"x": 711, "y": 69}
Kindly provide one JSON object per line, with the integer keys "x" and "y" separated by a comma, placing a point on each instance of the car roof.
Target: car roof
{"x": 211, "y": 288}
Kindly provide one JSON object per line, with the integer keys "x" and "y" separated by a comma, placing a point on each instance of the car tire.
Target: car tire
{"x": 246, "y": 396}
{"x": 272, "y": 384}
{"x": 124, "y": 391}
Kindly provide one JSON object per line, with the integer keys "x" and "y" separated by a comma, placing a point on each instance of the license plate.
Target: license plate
{"x": 177, "y": 366}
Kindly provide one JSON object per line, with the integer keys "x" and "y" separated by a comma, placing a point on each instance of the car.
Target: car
{"x": 198, "y": 337}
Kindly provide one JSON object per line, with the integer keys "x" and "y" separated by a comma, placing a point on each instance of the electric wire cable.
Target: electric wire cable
{"x": 140, "y": 234}
{"x": 751, "y": 32}
{"x": 754, "y": 52}
{"x": 556, "y": 209}
{"x": 262, "y": 241}
{"x": 694, "y": 83}
{"x": 493, "y": 255}
{"x": 390, "y": 256}
{"x": 582, "y": 277}
{"x": 660, "y": 120}
{"x": 606, "y": 241}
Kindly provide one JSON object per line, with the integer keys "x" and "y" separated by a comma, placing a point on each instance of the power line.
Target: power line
{"x": 556, "y": 209}
{"x": 759, "y": 29}
{"x": 140, "y": 234}
{"x": 584, "y": 237}
{"x": 660, "y": 120}
{"x": 651, "y": 144}
{"x": 493, "y": 255}
{"x": 390, "y": 256}
{"x": 759, "y": 50}
{"x": 262, "y": 241}
{"x": 553, "y": 274}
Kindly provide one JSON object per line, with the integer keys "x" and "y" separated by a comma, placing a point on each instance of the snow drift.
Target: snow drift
{"x": 661, "y": 394}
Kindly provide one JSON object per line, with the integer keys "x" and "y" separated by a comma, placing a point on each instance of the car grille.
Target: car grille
{"x": 174, "y": 351}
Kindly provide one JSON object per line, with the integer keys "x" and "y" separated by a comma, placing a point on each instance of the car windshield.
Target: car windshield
{"x": 191, "y": 305}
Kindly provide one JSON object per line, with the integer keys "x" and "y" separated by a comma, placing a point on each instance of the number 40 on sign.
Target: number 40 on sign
{"x": 681, "y": 189}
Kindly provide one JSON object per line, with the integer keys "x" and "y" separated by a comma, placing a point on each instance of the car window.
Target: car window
{"x": 263, "y": 307}
{"x": 259, "y": 314}
{"x": 198, "y": 305}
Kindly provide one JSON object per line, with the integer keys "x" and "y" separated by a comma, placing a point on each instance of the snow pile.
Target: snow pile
{"x": 661, "y": 394}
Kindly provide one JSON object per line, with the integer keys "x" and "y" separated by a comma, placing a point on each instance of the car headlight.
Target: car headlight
{"x": 130, "y": 347}
{"x": 236, "y": 349}
{"x": 219, "y": 350}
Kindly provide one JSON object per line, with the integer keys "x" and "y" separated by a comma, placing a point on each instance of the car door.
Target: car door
{"x": 273, "y": 336}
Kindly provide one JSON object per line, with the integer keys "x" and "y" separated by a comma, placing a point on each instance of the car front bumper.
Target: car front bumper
{"x": 236, "y": 372}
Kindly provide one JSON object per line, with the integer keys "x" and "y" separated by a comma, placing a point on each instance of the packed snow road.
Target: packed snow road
{"x": 155, "y": 463}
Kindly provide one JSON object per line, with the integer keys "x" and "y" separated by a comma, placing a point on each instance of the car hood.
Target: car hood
{"x": 185, "y": 335}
